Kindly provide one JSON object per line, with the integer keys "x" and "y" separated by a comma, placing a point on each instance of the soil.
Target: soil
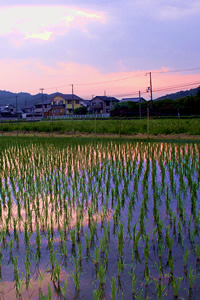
{"x": 183, "y": 137}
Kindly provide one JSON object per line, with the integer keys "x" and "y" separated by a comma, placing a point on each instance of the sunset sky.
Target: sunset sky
{"x": 100, "y": 46}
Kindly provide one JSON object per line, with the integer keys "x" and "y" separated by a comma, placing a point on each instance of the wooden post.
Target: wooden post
{"x": 147, "y": 122}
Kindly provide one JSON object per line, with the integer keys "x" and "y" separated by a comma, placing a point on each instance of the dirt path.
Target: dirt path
{"x": 184, "y": 137}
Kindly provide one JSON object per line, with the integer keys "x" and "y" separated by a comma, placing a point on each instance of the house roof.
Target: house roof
{"x": 43, "y": 102}
{"x": 67, "y": 96}
{"x": 7, "y": 106}
{"x": 132, "y": 99}
{"x": 107, "y": 99}
{"x": 85, "y": 102}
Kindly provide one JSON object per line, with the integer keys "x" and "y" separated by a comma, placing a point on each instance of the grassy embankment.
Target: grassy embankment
{"x": 122, "y": 127}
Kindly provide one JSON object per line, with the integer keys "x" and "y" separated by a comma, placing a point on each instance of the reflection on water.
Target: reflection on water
{"x": 133, "y": 206}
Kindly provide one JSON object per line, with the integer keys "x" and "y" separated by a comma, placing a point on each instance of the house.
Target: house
{"x": 30, "y": 114}
{"x": 10, "y": 111}
{"x": 42, "y": 108}
{"x": 133, "y": 100}
{"x": 62, "y": 104}
{"x": 28, "y": 108}
{"x": 102, "y": 104}
{"x": 7, "y": 109}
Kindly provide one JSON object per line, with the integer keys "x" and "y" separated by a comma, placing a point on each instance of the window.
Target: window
{"x": 61, "y": 102}
{"x": 69, "y": 101}
{"x": 77, "y": 102}
{"x": 107, "y": 103}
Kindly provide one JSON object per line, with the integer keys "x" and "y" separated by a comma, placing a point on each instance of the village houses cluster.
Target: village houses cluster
{"x": 62, "y": 106}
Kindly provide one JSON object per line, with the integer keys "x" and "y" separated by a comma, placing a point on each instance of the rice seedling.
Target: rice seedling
{"x": 113, "y": 289}
{"x": 50, "y": 293}
{"x": 133, "y": 277}
{"x": 73, "y": 239}
{"x": 160, "y": 288}
{"x": 140, "y": 296}
{"x": 11, "y": 248}
{"x": 192, "y": 278}
{"x": 58, "y": 194}
{"x": 176, "y": 282}
{"x": 136, "y": 237}
{"x": 146, "y": 253}
{"x": 56, "y": 276}
{"x": 16, "y": 272}
{"x": 96, "y": 255}
{"x": 27, "y": 264}
{"x": 120, "y": 235}
{"x": 101, "y": 275}
{"x": 76, "y": 276}
{"x": 185, "y": 257}
{"x": 97, "y": 294}
{"x": 169, "y": 241}
{"x": 171, "y": 265}
{"x": 64, "y": 288}
{"x": 120, "y": 266}
{"x": 38, "y": 241}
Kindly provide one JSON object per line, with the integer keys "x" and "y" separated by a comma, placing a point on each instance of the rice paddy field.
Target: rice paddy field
{"x": 93, "y": 219}
{"x": 120, "y": 126}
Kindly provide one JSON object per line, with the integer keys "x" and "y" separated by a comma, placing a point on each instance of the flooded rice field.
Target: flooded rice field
{"x": 92, "y": 219}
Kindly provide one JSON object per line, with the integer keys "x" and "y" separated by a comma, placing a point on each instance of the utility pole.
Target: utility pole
{"x": 140, "y": 105}
{"x": 17, "y": 107}
{"x": 72, "y": 99}
{"x": 151, "y": 90}
{"x": 42, "y": 103}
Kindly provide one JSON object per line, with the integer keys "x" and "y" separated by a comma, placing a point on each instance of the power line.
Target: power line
{"x": 176, "y": 71}
{"x": 110, "y": 81}
{"x": 126, "y": 78}
{"x": 167, "y": 88}
{"x": 176, "y": 86}
{"x": 119, "y": 79}
{"x": 97, "y": 83}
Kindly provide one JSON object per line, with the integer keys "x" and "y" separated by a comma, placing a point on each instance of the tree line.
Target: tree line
{"x": 185, "y": 106}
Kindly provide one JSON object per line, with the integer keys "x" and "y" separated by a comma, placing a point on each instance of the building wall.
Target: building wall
{"x": 57, "y": 100}
{"x": 68, "y": 104}
{"x": 97, "y": 106}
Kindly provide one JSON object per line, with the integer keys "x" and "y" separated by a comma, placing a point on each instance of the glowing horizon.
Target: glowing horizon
{"x": 56, "y": 45}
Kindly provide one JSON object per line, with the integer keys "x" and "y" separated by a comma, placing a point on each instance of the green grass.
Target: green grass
{"x": 121, "y": 127}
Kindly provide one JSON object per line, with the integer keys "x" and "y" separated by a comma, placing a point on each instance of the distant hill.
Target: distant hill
{"x": 27, "y": 100}
{"x": 180, "y": 94}
{"x": 23, "y": 99}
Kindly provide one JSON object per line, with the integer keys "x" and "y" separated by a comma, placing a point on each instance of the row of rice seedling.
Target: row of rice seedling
{"x": 120, "y": 216}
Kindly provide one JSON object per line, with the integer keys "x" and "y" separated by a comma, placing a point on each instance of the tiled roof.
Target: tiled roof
{"x": 132, "y": 99}
{"x": 67, "y": 96}
{"x": 105, "y": 98}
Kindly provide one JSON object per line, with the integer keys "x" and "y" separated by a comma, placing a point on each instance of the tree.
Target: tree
{"x": 82, "y": 110}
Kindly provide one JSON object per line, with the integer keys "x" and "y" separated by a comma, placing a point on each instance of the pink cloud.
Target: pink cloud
{"x": 43, "y": 22}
